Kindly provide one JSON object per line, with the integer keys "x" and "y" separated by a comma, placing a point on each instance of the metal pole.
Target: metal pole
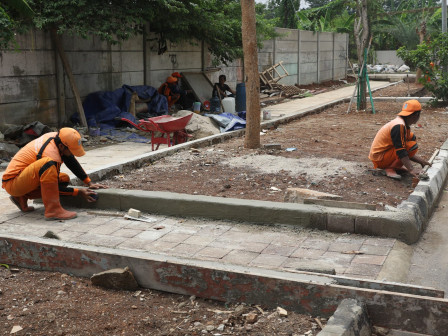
{"x": 443, "y": 16}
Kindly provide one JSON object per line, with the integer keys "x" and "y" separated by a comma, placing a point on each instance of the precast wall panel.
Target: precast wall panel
{"x": 34, "y": 86}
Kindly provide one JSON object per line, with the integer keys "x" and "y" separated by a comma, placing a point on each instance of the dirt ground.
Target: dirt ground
{"x": 48, "y": 303}
{"x": 330, "y": 156}
{"x": 328, "y": 153}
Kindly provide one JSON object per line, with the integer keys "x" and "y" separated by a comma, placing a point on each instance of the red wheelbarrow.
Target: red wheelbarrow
{"x": 171, "y": 128}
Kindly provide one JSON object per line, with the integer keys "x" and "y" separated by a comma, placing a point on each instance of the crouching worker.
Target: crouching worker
{"x": 34, "y": 172}
{"x": 395, "y": 146}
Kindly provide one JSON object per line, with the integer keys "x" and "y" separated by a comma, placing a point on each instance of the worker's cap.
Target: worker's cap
{"x": 171, "y": 79}
{"x": 410, "y": 107}
{"x": 176, "y": 74}
{"x": 72, "y": 139}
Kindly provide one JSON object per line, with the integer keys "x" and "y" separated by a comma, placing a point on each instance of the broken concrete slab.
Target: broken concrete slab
{"x": 117, "y": 278}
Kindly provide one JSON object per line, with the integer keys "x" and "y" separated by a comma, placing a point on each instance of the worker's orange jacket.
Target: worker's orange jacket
{"x": 394, "y": 140}
{"x": 33, "y": 152}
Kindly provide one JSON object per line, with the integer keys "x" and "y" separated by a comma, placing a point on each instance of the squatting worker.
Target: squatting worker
{"x": 34, "y": 172}
{"x": 395, "y": 146}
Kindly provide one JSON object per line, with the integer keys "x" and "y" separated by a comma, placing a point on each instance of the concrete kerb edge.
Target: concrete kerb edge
{"x": 405, "y": 224}
{"x": 349, "y": 319}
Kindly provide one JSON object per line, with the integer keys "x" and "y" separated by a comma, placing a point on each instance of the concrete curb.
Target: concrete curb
{"x": 349, "y": 319}
{"x": 395, "y": 224}
{"x": 403, "y": 99}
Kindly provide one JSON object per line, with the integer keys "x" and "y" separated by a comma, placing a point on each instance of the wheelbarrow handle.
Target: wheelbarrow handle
{"x": 130, "y": 122}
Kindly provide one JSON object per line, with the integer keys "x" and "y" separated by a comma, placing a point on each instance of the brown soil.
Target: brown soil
{"x": 330, "y": 156}
{"x": 48, "y": 303}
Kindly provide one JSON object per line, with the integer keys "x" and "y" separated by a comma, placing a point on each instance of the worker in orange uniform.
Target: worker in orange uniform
{"x": 395, "y": 146}
{"x": 169, "y": 90}
{"x": 34, "y": 172}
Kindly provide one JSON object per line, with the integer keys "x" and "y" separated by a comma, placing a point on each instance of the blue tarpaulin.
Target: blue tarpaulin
{"x": 102, "y": 108}
{"x": 227, "y": 121}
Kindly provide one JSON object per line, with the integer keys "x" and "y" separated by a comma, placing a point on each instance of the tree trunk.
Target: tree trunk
{"x": 362, "y": 33}
{"x": 68, "y": 72}
{"x": 252, "y": 79}
{"x": 422, "y": 37}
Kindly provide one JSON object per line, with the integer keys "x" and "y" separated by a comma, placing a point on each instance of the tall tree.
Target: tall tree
{"x": 362, "y": 35}
{"x": 252, "y": 78}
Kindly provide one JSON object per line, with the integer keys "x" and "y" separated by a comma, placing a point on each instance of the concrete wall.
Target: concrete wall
{"x": 387, "y": 57}
{"x": 33, "y": 85}
{"x": 308, "y": 57}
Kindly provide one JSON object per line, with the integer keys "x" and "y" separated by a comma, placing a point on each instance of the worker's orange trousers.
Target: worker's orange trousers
{"x": 27, "y": 183}
{"x": 391, "y": 156}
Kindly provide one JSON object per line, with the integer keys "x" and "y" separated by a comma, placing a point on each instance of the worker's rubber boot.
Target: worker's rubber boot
{"x": 53, "y": 208}
{"x": 22, "y": 203}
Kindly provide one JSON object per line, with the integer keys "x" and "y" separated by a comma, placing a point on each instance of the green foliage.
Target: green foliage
{"x": 335, "y": 16}
{"x": 6, "y": 29}
{"x": 396, "y": 25}
{"x": 216, "y": 22}
{"x": 317, "y": 3}
{"x": 432, "y": 58}
{"x": 284, "y": 11}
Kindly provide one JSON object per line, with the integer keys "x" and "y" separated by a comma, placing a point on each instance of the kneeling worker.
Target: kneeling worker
{"x": 34, "y": 172}
{"x": 395, "y": 146}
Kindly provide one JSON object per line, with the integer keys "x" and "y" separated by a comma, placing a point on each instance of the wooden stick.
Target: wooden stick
{"x": 319, "y": 323}
{"x": 69, "y": 74}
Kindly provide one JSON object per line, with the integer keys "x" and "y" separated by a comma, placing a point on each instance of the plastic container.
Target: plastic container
{"x": 197, "y": 107}
{"x": 266, "y": 115}
{"x": 240, "y": 97}
{"x": 229, "y": 105}
{"x": 215, "y": 105}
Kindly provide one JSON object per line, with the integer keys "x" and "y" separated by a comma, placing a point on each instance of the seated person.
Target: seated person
{"x": 222, "y": 88}
{"x": 395, "y": 146}
{"x": 169, "y": 89}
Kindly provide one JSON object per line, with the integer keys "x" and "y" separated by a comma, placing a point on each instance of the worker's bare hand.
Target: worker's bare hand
{"x": 97, "y": 186}
{"x": 87, "y": 194}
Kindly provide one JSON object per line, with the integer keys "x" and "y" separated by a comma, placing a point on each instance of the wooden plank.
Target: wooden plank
{"x": 68, "y": 72}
